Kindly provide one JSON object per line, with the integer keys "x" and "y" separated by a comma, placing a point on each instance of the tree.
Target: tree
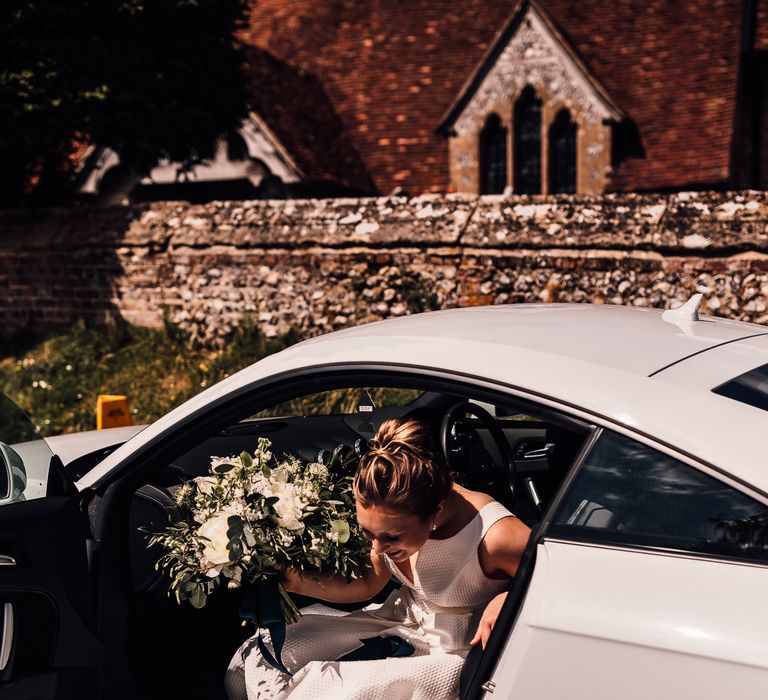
{"x": 148, "y": 78}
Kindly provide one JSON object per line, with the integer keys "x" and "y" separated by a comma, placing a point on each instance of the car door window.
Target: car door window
{"x": 25, "y": 457}
{"x": 629, "y": 493}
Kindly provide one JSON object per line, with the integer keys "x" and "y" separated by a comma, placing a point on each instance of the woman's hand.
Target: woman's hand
{"x": 488, "y": 620}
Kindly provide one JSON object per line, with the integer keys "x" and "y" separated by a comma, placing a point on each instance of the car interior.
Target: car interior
{"x": 516, "y": 452}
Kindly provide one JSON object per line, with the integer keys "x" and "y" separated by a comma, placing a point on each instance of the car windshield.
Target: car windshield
{"x": 750, "y": 388}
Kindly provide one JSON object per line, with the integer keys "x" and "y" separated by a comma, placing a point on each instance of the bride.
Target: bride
{"x": 452, "y": 549}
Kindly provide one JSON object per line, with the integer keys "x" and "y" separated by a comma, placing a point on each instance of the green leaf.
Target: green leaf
{"x": 265, "y": 471}
{"x": 235, "y": 548}
{"x": 335, "y": 456}
{"x": 246, "y": 459}
{"x": 223, "y": 468}
{"x": 341, "y": 527}
{"x": 236, "y": 526}
{"x": 188, "y": 586}
{"x": 198, "y": 598}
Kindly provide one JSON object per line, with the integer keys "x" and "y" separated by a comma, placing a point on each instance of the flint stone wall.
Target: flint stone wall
{"x": 319, "y": 265}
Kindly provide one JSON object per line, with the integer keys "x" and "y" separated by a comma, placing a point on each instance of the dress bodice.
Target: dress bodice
{"x": 447, "y": 572}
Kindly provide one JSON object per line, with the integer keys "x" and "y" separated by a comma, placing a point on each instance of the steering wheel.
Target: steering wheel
{"x": 466, "y": 455}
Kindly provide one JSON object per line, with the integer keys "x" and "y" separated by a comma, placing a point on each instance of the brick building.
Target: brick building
{"x": 487, "y": 96}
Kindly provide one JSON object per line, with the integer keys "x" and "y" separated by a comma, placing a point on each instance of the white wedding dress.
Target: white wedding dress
{"x": 437, "y": 613}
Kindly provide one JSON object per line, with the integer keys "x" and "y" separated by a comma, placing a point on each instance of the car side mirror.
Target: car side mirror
{"x": 13, "y": 475}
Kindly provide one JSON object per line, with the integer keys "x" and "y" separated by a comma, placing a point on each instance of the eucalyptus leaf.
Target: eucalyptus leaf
{"x": 342, "y": 529}
{"x": 246, "y": 459}
{"x": 223, "y": 468}
{"x": 198, "y": 598}
{"x": 235, "y": 548}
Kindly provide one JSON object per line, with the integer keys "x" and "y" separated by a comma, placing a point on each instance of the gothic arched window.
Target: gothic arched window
{"x": 528, "y": 143}
{"x": 493, "y": 156}
{"x": 562, "y": 153}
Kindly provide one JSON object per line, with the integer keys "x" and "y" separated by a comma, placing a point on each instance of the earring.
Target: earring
{"x": 434, "y": 527}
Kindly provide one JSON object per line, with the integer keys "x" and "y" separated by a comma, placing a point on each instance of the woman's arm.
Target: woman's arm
{"x": 500, "y": 553}
{"x": 336, "y": 588}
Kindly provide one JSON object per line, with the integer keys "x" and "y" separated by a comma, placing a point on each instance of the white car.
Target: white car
{"x": 633, "y": 442}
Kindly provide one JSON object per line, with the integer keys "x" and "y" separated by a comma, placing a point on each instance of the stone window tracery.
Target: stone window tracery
{"x": 533, "y": 73}
{"x": 527, "y": 149}
{"x": 493, "y": 156}
{"x": 562, "y": 154}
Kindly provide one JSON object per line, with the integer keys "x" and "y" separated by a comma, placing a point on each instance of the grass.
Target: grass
{"x": 57, "y": 381}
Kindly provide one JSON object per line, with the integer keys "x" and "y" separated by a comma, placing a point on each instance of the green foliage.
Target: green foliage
{"x": 147, "y": 79}
{"x": 58, "y": 381}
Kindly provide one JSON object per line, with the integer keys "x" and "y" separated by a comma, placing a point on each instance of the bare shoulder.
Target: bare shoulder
{"x": 478, "y": 499}
{"x": 503, "y": 546}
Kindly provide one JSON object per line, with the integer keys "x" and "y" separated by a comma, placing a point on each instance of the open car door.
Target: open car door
{"x": 49, "y": 647}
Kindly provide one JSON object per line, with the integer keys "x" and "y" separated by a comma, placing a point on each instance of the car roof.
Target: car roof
{"x": 595, "y": 359}
{"x": 635, "y": 340}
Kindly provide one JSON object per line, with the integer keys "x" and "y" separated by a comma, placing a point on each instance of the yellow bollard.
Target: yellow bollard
{"x": 112, "y": 412}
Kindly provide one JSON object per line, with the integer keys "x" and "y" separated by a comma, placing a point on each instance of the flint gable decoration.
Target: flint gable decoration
{"x": 531, "y": 118}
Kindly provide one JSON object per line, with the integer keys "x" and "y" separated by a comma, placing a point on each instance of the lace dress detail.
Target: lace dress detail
{"x": 437, "y": 613}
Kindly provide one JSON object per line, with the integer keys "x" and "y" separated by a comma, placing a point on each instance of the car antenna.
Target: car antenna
{"x": 687, "y": 312}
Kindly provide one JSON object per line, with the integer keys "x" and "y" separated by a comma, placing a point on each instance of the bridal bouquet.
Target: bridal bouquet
{"x": 254, "y": 515}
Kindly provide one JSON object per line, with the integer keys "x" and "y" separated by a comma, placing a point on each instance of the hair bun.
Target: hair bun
{"x": 402, "y": 470}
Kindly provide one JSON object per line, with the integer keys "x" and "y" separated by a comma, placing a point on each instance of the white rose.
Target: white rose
{"x": 216, "y": 461}
{"x": 288, "y": 506}
{"x": 215, "y": 554}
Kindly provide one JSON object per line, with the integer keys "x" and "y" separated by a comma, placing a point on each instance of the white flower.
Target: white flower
{"x": 214, "y": 529}
{"x": 317, "y": 469}
{"x": 289, "y": 504}
{"x": 216, "y": 461}
{"x": 205, "y": 484}
{"x": 215, "y": 553}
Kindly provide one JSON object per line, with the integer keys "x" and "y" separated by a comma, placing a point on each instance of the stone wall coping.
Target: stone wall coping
{"x": 687, "y": 223}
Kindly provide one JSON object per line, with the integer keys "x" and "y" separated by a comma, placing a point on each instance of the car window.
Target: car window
{"x": 750, "y": 388}
{"x": 341, "y": 402}
{"x": 629, "y": 493}
{"x": 24, "y": 456}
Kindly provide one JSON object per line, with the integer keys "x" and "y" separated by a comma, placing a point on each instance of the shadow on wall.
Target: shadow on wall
{"x": 57, "y": 268}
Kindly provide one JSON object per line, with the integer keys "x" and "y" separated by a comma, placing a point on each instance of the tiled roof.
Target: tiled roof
{"x": 392, "y": 69}
{"x": 293, "y": 104}
{"x": 672, "y": 67}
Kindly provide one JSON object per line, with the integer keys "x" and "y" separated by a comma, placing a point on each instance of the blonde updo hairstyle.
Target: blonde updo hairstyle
{"x": 402, "y": 470}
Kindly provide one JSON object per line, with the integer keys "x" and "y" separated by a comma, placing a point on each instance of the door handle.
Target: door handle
{"x": 541, "y": 452}
{"x": 6, "y": 636}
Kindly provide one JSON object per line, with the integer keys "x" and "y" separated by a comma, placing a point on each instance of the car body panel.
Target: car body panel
{"x": 611, "y": 616}
{"x": 459, "y": 341}
{"x": 718, "y": 365}
{"x": 70, "y": 446}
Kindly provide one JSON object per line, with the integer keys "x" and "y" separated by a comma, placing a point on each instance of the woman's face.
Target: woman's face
{"x": 392, "y": 532}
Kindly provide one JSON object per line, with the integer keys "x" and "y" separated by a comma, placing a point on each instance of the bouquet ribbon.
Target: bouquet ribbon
{"x": 261, "y": 604}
